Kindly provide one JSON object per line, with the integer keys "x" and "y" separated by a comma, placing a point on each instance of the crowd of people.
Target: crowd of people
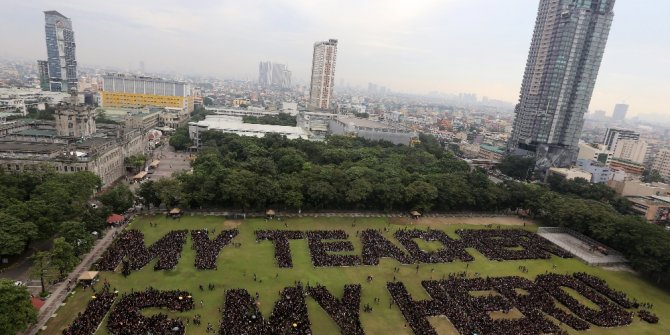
{"x": 130, "y": 245}
{"x": 608, "y": 315}
{"x": 647, "y": 316}
{"x": 87, "y": 323}
{"x": 127, "y": 318}
{"x": 510, "y": 244}
{"x": 470, "y": 313}
{"x": 282, "y": 248}
{"x": 375, "y": 246}
{"x": 319, "y": 250}
{"x": 242, "y": 316}
{"x": 345, "y": 311}
{"x": 602, "y": 287}
{"x": 206, "y": 250}
{"x": 451, "y": 251}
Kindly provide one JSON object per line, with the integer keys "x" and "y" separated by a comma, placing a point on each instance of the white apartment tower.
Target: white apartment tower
{"x": 323, "y": 74}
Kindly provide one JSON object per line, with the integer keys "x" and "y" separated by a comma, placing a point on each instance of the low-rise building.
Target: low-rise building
{"x": 234, "y": 125}
{"x": 627, "y": 188}
{"x": 371, "y": 130}
{"x": 490, "y": 152}
{"x": 569, "y": 174}
{"x": 600, "y": 173}
{"x": 630, "y": 167}
{"x": 655, "y": 209}
{"x": 597, "y": 152}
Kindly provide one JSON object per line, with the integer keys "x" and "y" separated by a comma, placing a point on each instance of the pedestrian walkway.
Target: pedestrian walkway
{"x": 60, "y": 291}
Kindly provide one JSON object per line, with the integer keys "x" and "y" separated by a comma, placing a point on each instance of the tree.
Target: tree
{"x": 169, "y": 192}
{"x": 180, "y": 139}
{"x": 76, "y": 234}
{"x": 16, "y": 310}
{"x": 14, "y": 234}
{"x": 119, "y": 198}
{"x": 63, "y": 256}
{"x": 652, "y": 176}
{"x": 149, "y": 194}
{"x": 42, "y": 268}
{"x": 517, "y": 167}
{"x": 136, "y": 161}
{"x": 421, "y": 195}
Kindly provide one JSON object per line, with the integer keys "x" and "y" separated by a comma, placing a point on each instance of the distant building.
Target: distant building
{"x": 629, "y": 167}
{"x": 128, "y": 91}
{"x": 323, "y": 74}
{"x": 656, "y": 209}
{"x": 613, "y": 135}
{"x": 563, "y": 62}
{"x": 596, "y": 152}
{"x": 43, "y": 70}
{"x": 599, "y": 114}
{"x": 234, "y": 125}
{"x": 626, "y": 188}
{"x": 273, "y": 75}
{"x": 600, "y": 173}
{"x": 620, "y": 111}
{"x": 490, "y": 152}
{"x": 569, "y": 174}
{"x": 61, "y": 59}
{"x": 371, "y": 130}
{"x": 632, "y": 150}
{"x": 662, "y": 163}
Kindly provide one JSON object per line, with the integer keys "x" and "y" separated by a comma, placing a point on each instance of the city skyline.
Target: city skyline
{"x": 415, "y": 48}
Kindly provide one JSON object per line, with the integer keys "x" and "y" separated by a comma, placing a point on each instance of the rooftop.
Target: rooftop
{"x": 30, "y": 147}
{"x": 38, "y": 132}
{"x": 492, "y": 148}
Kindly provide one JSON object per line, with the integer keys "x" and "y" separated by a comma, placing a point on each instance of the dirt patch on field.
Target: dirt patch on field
{"x": 437, "y": 221}
{"x": 232, "y": 223}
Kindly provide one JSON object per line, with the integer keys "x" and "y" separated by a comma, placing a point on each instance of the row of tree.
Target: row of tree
{"x": 250, "y": 173}
{"x": 40, "y": 204}
{"x": 282, "y": 119}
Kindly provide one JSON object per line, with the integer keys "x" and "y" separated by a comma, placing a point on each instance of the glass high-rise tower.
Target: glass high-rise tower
{"x": 62, "y": 63}
{"x": 565, "y": 54}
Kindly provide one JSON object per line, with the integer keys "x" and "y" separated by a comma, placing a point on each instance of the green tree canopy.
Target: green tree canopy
{"x": 16, "y": 310}
{"x": 119, "y": 198}
{"x": 15, "y": 234}
{"x": 63, "y": 256}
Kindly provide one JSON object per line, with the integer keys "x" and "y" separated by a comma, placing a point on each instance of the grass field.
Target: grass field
{"x": 236, "y": 267}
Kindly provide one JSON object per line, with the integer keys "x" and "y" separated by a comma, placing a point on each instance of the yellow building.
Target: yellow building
{"x": 125, "y": 91}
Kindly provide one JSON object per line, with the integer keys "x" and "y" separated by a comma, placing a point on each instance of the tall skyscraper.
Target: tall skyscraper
{"x": 43, "y": 70}
{"x": 273, "y": 75}
{"x": 620, "y": 111}
{"x": 565, "y": 54}
{"x": 60, "y": 52}
{"x": 323, "y": 74}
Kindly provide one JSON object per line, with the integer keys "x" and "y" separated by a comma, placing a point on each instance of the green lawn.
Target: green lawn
{"x": 236, "y": 267}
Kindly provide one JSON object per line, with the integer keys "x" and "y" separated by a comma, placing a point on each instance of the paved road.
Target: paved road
{"x": 59, "y": 291}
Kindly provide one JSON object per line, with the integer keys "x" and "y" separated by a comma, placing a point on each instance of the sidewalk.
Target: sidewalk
{"x": 59, "y": 291}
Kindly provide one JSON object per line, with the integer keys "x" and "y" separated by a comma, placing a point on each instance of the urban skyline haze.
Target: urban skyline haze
{"x": 452, "y": 46}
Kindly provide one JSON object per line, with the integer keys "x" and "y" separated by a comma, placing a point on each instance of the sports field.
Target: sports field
{"x": 238, "y": 265}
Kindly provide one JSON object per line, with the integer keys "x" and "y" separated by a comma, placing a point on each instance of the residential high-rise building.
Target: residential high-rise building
{"x": 323, "y": 74}
{"x": 61, "y": 59}
{"x": 620, "y": 111}
{"x": 43, "y": 70}
{"x": 563, "y": 62}
{"x": 613, "y": 135}
{"x": 273, "y": 75}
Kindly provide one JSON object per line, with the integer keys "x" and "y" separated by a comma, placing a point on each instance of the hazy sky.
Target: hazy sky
{"x": 415, "y": 46}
